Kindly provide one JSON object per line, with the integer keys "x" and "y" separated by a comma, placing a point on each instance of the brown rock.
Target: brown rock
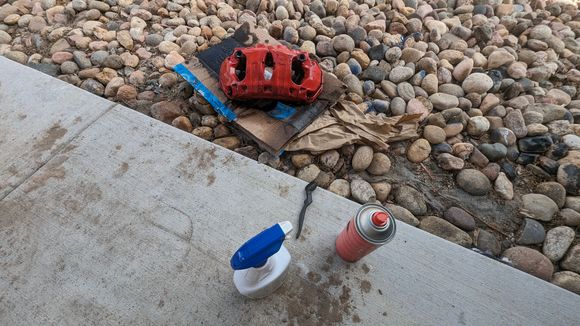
{"x": 231, "y": 142}
{"x": 301, "y": 160}
{"x": 567, "y": 280}
{"x": 419, "y": 150}
{"x": 449, "y": 162}
{"x": 445, "y": 230}
{"x": 183, "y": 123}
{"x": 362, "y": 158}
{"x": 463, "y": 69}
{"x": 166, "y": 111}
{"x": 434, "y": 134}
{"x": 126, "y": 93}
{"x": 572, "y": 260}
{"x": 382, "y": 190}
{"x": 203, "y": 132}
{"x": 380, "y": 164}
{"x": 530, "y": 261}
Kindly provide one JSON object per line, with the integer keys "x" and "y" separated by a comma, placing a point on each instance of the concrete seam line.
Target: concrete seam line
{"x": 59, "y": 149}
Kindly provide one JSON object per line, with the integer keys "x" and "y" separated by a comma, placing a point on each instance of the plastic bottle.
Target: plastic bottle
{"x": 260, "y": 265}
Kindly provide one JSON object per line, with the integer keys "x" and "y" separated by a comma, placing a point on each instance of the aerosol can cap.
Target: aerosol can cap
{"x": 256, "y": 251}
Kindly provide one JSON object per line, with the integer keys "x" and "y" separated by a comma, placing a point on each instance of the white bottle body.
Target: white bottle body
{"x": 260, "y": 282}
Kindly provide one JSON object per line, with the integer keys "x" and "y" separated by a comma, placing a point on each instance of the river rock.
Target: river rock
{"x": 477, "y": 126}
{"x": 340, "y": 187}
{"x": 504, "y": 187}
{"x": 449, "y": 162}
{"x": 494, "y": 152}
{"x": 567, "y": 280}
{"x": 411, "y": 199}
{"x": 538, "y": 207}
{"x": 443, "y": 101}
{"x": 536, "y": 144}
{"x": 329, "y": 159}
{"x": 419, "y": 150}
{"x": 515, "y": 122}
{"x": 460, "y": 218}
{"x": 487, "y": 242}
{"x": 380, "y": 164}
{"x": 362, "y": 158}
{"x": 477, "y": 83}
{"x": 530, "y": 261}
{"x": 308, "y": 173}
{"x": 362, "y": 191}
{"x": 531, "y": 232}
{"x": 301, "y": 160}
{"x": 569, "y": 176}
{"x": 554, "y": 190}
{"x": 570, "y": 217}
{"x": 434, "y": 134}
{"x": 463, "y": 69}
{"x": 382, "y": 190}
{"x": 342, "y": 43}
{"x": 445, "y": 230}
{"x": 400, "y": 74}
{"x": 473, "y": 182}
{"x": 572, "y": 260}
{"x": 557, "y": 242}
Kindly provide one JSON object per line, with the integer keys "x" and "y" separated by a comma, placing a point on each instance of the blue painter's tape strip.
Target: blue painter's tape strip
{"x": 282, "y": 111}
{"x": 220, "y": 107}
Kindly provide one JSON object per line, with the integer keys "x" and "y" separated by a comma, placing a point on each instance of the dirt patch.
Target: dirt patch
{"x": 365, "y": 286}
{"x": 283, "y": 191}
{"x": 123, "y": 168}
{"x": 84, "y": 194}
{"x": 307, "y": 304}
{"x": 53, "y": 134}
{"x": 365, "y": 268}
{"x": 210, "y": 179}
{"x": 39, "y": 180}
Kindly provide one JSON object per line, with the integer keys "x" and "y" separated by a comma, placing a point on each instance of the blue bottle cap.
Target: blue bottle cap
{"x": 256, "y": 251}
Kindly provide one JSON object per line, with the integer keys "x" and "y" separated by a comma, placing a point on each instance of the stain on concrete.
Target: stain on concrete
{"x": 39, "y": 180}
{"x": 83, "y": 195}
{"x": 228, "y": 159}
{"x": 118, "y": 147}
{"x": 365, "y": 286}
{"x": 18, "y": 243}
{"x": 461, "y": 319}
{"x": 365, "y": 268}
{"x": 22, "y": 116}
{"x": 123, "y": 168}
{"x": 307, "y": 304}
{"x": 13, "y": 171}
{"x": 69, "y": 148}
{"x": 204, "y": 160}
{"x": 283, "y": 190}
{"x": 356, "y": 318}
{"x": 210, "y": 179}
{"x": 313, "y": 277}
{"x": 53, "y": 134}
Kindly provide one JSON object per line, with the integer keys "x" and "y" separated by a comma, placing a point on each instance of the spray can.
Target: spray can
{"x": 370, "y": 228}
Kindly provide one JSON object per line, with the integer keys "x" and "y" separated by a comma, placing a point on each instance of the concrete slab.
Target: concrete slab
{"x": 38, "y": 114}
{"x": 134, "y": 222}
